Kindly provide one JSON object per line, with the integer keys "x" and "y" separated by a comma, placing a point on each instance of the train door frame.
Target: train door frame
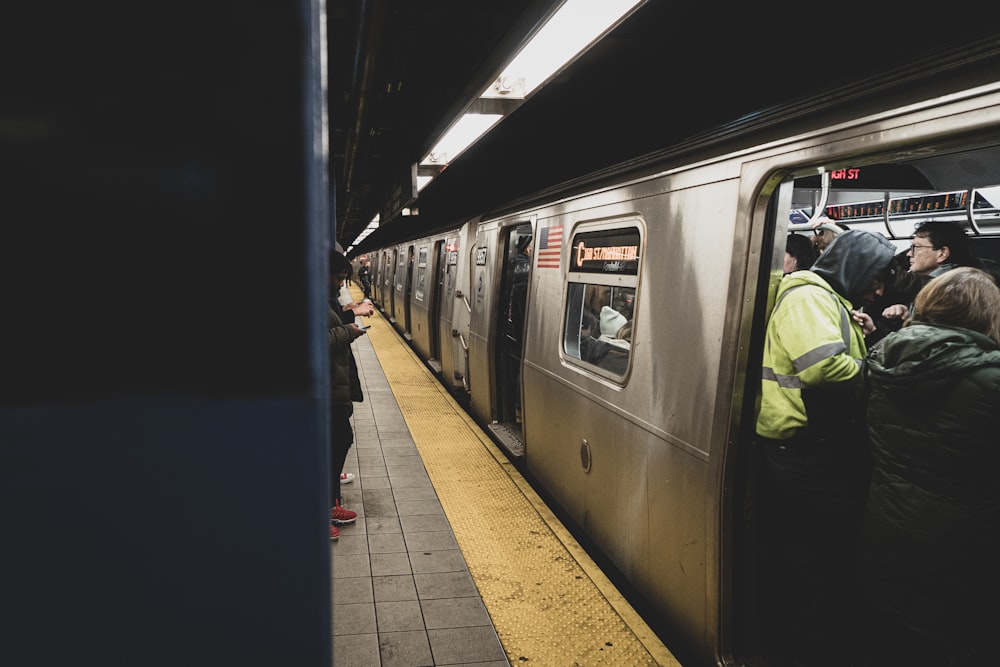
{"x": 741, "y": 631}
{"x": 508, "y": 353}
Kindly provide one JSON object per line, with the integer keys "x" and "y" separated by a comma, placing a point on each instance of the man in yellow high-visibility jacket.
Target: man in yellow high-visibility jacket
{"x": 812, "y": 446}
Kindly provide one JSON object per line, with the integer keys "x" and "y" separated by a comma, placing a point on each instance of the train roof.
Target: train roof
{"x": 669, "y": 73}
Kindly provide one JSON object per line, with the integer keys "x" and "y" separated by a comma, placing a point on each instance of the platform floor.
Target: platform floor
{"x": 454, "y": 560}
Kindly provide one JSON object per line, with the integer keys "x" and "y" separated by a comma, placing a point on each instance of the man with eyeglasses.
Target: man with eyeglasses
{"x": 938, "y": 247}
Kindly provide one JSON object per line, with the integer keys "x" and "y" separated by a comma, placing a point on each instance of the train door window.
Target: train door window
{"x": 600, "y": 298}
{"x": 421, "y": 273}
{"x": 400, "y": 271}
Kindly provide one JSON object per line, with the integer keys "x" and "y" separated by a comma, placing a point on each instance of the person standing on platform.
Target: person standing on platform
{"x": 365, "y": 276}
{"x": 813, "y": 459}
{"x": 345, "y": 388}
{"x": 932, "y": 521}
{"x": 349, "y": 311}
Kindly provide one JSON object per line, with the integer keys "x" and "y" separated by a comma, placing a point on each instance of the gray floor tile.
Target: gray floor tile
{"x": 350, "y": 530}
{"x": 372, "y": 482}
{"x": 423, "y": 523}
{"x": 429, "y": 540}
{"x": 418, "y": 481}
{"x": 424, "y": 562}
{"x": 454, "y": 613}
{"x": 389, "y": 564}
{"x": 356, "y": 651}
{"x": 349, "y": 565}
{"x": 400, "y": 449}
{"x": 405, "y": 649}
{"x": 399, "y": 616}
{"x": 354, "y": 619}
{"x": 352, "y": 499}
{"x": 352, "y": 590}
{"x": 419, "y": 507}
{"x": 457, "y": 645}
{"x": 380, "y": 502}
{"x": 378, "y": 525}
{"x": 394, "y": 440}
{"x": 414, "y": 493}
{"x": 405, "y": 470}
{"x": 437, "y": 585}
{"x": 394, "y": 588}
{"x": 373, "y": 469}
{"x": 386, "y": 544}
{"x": 351, "y": 543}
{"x": 359, "y": 527}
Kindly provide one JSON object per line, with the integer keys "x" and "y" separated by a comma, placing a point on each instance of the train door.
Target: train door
{"x": 407, "y": 285}
{"x": 377, "y": 277}
{"x": 437, "y": 269}
{"x": 390, "y": 282}
{"x": 384, "y": 269}
{"x": 510, "y": 316}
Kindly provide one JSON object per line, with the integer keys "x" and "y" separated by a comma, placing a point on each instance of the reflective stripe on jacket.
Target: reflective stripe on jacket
{"x": 811, "y": 340}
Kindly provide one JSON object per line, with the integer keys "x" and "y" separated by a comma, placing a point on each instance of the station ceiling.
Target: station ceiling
{"x": 398, "y": 71}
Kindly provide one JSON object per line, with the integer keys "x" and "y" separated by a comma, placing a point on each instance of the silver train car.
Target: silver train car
{"x": 645, "y": 450}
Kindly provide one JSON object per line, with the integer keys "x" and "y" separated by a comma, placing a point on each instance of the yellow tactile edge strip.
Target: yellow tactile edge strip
{"x": 558, "y": 620}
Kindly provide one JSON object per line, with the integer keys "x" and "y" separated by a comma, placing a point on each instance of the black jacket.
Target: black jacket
{"x": 932, "y": 522}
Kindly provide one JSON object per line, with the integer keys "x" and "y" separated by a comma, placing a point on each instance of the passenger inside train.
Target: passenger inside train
{"x": 800, "y": 252}
{"x": 605, "y": 332}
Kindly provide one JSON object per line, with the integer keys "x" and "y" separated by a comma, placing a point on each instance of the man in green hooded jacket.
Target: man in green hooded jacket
{"x": 813, "y": 453}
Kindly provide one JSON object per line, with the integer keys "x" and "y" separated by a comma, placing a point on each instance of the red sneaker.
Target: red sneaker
{"x": 339, "y": 515}
{"x": 346, "y": 477}
{"x": 334, "y": 533}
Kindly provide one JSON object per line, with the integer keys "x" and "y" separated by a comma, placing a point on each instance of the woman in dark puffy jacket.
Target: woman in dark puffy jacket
{"x": 932, "y": 522}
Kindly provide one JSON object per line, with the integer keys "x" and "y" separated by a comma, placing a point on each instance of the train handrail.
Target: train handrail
{"x": 824, "y": 196}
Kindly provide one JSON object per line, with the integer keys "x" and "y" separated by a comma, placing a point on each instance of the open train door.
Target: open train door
{"x": 511, "y": 310}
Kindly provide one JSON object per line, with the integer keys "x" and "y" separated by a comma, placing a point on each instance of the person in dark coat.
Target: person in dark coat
{"x": 520, "y": 268}
{"x": 932, "y": 520}
{"x": 365, "y": 276}
{"x": 345, "y": 388}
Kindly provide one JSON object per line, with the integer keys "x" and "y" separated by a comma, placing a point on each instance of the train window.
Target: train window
{"x": 600, "y": 299}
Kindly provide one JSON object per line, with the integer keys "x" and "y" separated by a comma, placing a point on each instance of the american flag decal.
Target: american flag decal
{"x": 550, "y": 247}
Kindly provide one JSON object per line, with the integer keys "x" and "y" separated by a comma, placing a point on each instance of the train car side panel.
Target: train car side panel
{"x": 630, "y": 458}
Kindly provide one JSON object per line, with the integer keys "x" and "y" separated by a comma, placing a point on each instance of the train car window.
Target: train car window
{"x": 600, "y": 299}
{"x": 421, "y": 273}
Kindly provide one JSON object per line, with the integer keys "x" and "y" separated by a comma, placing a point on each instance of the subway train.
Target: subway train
{"x": 670, "y": 263}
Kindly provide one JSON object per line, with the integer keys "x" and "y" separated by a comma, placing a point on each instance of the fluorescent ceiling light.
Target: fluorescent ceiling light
{"x": 460, "y": 136}
{"x": 567, "y": 34}
{"x": 575, "y": 26}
